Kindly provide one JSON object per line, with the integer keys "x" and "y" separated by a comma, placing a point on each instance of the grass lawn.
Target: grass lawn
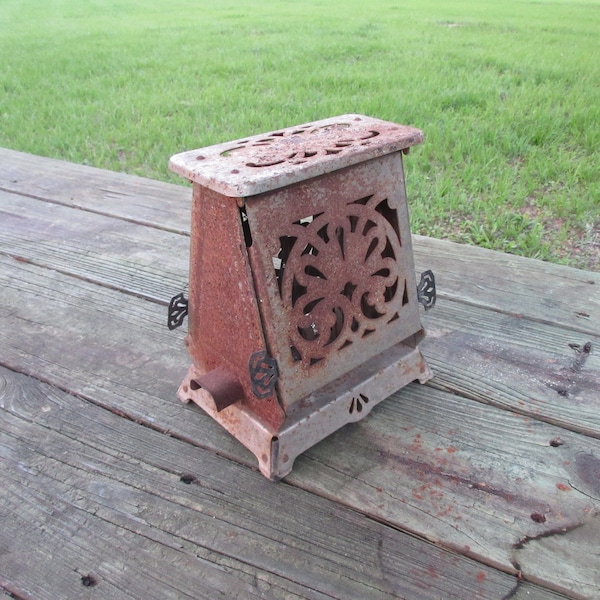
{"x": 507, "y": 94}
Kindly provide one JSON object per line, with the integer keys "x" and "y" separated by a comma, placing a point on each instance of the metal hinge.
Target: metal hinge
{"x": 263, "y": 374}
{"x": 178, "y": 310}
{"x": 426, "y": 293}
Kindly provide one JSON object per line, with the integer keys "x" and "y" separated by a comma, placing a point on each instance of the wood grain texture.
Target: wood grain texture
{"x": 110, "y": 493}
{"x": 524, "y": 591}
{"x": 515, "y": 363}
{"x": 503, "y": 436}
{"x": 457, "y": 472}
{"x": 142, "y": 261}
{"x": 97, "y": 190}
{"x": 547, "y": 292}
{"x": 475, "y": 479}
{"x": 580, "y": 541}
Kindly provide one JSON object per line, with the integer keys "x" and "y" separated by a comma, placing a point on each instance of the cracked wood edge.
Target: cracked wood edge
{"x": 581, "y": 541}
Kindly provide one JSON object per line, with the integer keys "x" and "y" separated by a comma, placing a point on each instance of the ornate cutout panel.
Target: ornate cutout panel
{"x": 339, "y": 277}
{"x": 332, "y": 259}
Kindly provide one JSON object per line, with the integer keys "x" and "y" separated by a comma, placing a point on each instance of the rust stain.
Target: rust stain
{"x": 280, "y": 158}
{"x": 219, "y": 271}
{"x": 417, "y": 443}
{"x": 302, "y": 286}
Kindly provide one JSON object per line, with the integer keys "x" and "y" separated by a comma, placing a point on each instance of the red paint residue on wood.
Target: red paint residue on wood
{"x": 417, "y": 443}
{"x": 432, "y": 572}
{"x": 418, "y": 493}
{"x": 481, "y": 576}
{"x": 563, "y": 487}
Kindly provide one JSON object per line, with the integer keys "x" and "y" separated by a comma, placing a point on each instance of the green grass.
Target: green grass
{"x": 507, "y": 94}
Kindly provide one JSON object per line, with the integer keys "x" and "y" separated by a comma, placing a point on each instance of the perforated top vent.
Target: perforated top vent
{"x": 274, "y": 160}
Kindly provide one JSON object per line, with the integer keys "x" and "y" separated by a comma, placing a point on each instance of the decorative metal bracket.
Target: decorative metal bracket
{"x": 178, "y": 310}
{"x": 263, "y": 374}
{"x": 426, "y": 293}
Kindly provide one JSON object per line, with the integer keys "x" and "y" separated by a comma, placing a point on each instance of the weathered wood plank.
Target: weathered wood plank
{"x": 547, "y": 292}
{"x": 125, "y": 196}
{"x": 110, "y": 492}
{"x": 457, "y": 472}
{"x": 581, "y": 542}
{"x": 550, "y": 293}
{"x": 93, "y": 341}
{"x": 476, "y": 479}
{"x": 530, "y": 592}
{"x": 143, "y": 261}
{"x": 57, "y": 547}
{"x": 515, "y": 363}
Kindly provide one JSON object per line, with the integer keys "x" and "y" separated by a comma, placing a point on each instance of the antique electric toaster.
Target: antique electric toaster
{"x": 303, "y": 302}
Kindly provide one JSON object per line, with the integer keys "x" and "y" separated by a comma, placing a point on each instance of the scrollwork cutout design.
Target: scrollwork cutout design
{"x": 339, "y": 277}
{"x": 297, "y": 146}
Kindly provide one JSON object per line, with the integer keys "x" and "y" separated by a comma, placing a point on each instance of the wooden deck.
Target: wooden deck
{"x": 484, "y": 483}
